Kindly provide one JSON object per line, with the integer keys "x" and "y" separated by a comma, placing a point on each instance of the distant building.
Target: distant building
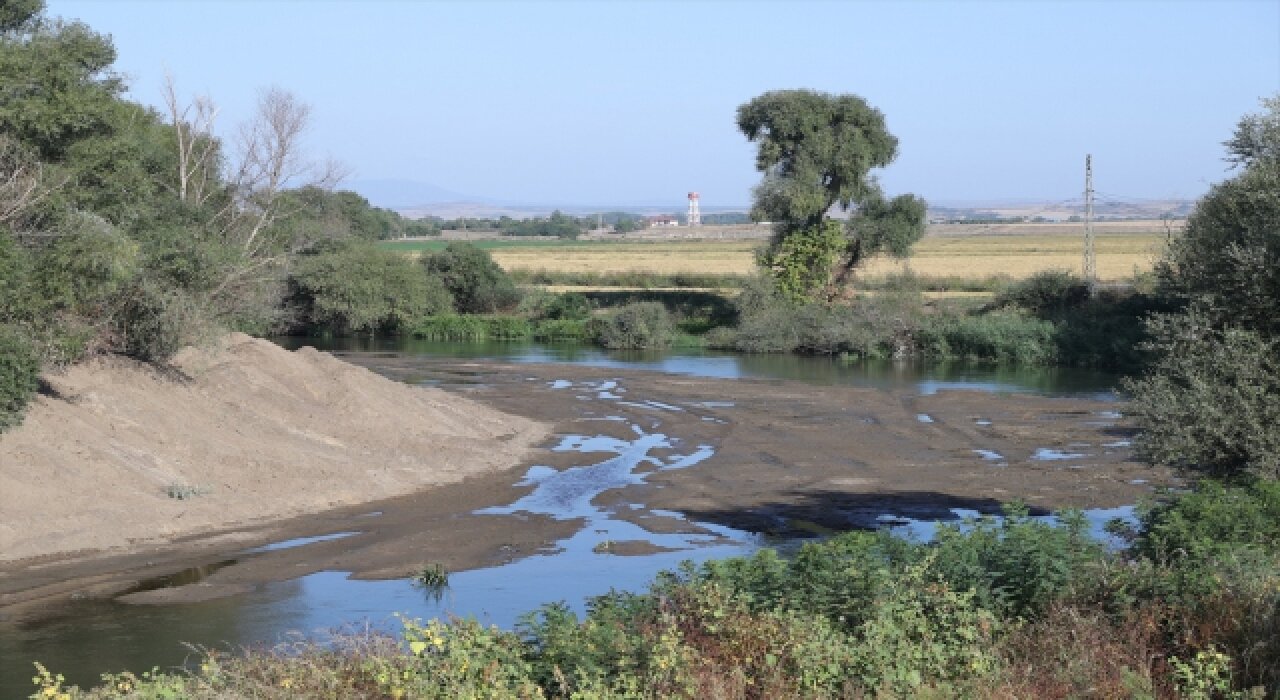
{"x": 663, "y": 220}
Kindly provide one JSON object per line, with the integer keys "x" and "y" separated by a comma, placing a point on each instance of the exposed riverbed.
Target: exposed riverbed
{"x": 645, "y": 469}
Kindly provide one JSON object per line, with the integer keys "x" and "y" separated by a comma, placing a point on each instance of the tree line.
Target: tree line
{"x": 135, "y": 231}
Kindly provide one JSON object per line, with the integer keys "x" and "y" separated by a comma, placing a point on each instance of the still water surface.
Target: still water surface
{"x": 89, "y": 637}
{"x": 910, "y": 376}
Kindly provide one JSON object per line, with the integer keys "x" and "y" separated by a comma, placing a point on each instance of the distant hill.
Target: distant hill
{"x": 405, "y": 194}
{"x": 415, "y": 199}
{"x": 1103, "y": 208}
{"x": 484, "y": 210}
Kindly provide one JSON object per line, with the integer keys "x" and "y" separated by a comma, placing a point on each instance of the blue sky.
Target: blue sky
{"x": 633, "y": 102}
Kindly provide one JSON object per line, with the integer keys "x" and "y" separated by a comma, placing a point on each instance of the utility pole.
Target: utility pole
{"x": 1090, "y": 259}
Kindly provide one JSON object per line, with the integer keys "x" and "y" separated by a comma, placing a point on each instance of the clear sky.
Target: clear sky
{"x": 634, "y": 102}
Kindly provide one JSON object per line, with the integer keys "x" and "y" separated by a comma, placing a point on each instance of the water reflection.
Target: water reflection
{"x": 920, "y": 377}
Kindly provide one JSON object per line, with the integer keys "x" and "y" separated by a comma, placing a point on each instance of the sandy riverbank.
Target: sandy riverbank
{"x": 246, "y": 432}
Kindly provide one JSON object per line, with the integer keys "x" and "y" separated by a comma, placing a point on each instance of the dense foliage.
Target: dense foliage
{"x": 19, "y": 367}
{"x": 1208, "y": 402}
{"x": 364, "y": 289}
{"x": 641, "y": 325}
{"x": 477, "y": 283}
{"x": 816, "y": 151}
{"x": 124, "y": 230}
{"x": 993, "y": 608}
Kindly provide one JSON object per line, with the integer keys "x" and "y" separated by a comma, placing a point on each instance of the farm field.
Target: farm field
{"x": 972, "y": 256}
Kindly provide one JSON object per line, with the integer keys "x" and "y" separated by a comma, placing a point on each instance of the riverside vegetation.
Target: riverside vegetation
{"x": 127, "y": 231}
{"x": 1013, "y": 608}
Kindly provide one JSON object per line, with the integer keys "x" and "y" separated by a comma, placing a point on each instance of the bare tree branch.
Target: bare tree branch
{"x": 197, "y": 147}
{"x": 23, "y": 183}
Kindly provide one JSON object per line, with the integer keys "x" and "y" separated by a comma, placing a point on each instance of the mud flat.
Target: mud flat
{"x": 792, "y": 458}
{"x": 784, "y": 458}
{"x": 118, "y": 457}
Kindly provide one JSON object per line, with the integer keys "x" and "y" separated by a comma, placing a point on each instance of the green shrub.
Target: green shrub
{"x": 482, "y": 328}
{"x": 156, "y": 321}
{"x": 14, "y": 268}
{"x": 508, "y": 328}
{"x": 990, "y": 337}
{"x": 363, "y": 289}
{"x": 1208, "y": 403}
{"x": 19, "y": 375}
{"x": 640, "y": 325}
{"x": 1212, "y": 519}
{"x": 568, "y": 307}
{"x": 1228, "y": 258}
{"x": 800, "y": 263}
{"x": 1018, "y": 565}
{"x": 1108, "y": 331}
{"x": 477, "y": 283}
{"x": 869, "y": 328}
{"x": 923, "y": 635}
{"x": 560, "y": 331}
{"x": 934, "y": 283}
{"x": 1046, "y": 292}
{"x": 452, "y": 327}
{"x": 84, "y": 268}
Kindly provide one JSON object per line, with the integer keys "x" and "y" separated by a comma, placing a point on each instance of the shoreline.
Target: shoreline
{"x": 790, "y": 459}
{"x": 118, "y": 455}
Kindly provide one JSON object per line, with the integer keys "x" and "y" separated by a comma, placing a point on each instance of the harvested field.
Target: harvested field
{"x": 974, "y": 252}
{"x": 1120, "y": 255}
{"x": 662, "y": 257}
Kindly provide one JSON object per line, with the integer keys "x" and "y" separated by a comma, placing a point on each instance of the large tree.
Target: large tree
{"x": 56, "y": 82}
{"x": 1228, "y": 258}
{"x": 1208, "y": 402}
{"x": 816, "y": 152}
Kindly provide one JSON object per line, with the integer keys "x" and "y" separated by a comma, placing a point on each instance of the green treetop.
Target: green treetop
{"x": 816, "y": 151}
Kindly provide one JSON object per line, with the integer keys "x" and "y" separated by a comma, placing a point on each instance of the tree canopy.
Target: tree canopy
{"x": 56, "y": 82}
{"x": 1228, "y": 258}
{"x": 816, "y": 151}
{"x": 1208, "y": 401}
{"x": 123, "y": 230}
{"x": 477, "y": 283}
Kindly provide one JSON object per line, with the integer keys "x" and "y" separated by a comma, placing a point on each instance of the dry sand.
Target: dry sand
{"x": 261, "y": 432}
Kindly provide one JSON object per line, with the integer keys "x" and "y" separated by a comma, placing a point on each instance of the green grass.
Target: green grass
{"x": 511, "y": 328}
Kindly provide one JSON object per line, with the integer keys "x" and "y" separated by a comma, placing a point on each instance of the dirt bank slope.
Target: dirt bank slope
{"x": 261, "y": 432}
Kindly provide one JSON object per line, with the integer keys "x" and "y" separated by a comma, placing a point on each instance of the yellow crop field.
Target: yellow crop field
{"x": 1119, "y": 256}
{"x": 664, "y": 257}
{"x": 975, "y": 256}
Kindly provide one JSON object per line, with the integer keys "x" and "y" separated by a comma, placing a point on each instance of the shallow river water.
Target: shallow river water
{"x": 89, "y": 637}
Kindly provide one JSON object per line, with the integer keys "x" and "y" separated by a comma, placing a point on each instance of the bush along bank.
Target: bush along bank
{"x": 1047, "y": 319}
{"x": 460, "y": 294}
{"x": 999, "y": 608}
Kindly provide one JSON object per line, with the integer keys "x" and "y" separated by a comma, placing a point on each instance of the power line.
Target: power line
{"x": 1090, "y": 257}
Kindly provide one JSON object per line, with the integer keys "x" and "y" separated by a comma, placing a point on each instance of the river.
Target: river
{"x": 87, "y": 637}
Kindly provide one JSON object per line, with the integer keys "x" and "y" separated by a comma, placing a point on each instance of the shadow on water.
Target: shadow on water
{"x": 809, "y": 513}
{"x": 185, "y": 577}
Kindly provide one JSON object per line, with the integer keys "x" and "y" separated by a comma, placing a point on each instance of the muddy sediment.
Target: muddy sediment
{"x": 785, "y": 458}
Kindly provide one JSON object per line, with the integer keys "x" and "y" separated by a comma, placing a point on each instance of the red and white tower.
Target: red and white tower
{"x": 695, "y": 216}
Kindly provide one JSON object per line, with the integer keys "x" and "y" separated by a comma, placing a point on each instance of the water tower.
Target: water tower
{"x": 695, "y": 216}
